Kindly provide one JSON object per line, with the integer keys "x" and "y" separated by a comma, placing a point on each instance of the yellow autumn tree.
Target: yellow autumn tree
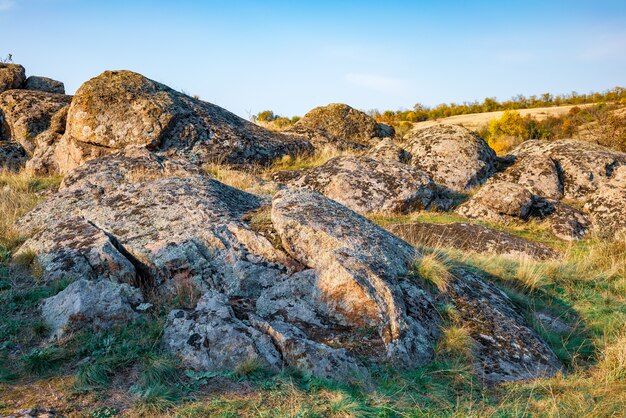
{"x": 507, "y": 131}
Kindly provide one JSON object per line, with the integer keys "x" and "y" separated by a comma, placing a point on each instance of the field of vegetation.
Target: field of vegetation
{"x": 123, "y": 371}
{"x": 597, "y": 117}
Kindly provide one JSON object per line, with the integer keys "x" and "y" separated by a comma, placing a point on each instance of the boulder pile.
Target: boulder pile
{"x": 336, "y": 288}
{"x": 299, "y": 278}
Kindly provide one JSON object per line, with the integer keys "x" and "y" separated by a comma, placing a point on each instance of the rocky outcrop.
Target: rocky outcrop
{"x": 36, "y": 120}
{"x": 583, "y": 166}
{"x": 471, "y": 238}
{"x": 12, "y": 76}
{"x": 172, "y": 229}
{"x": 543, "y": 173}
{"x": 387, "y": 150}
{"x": 366, "y": 185}
{"x": 44, "y": 84}
{"x": 504, "y": 202}
{"x": 97, "y": 303}
{"x": 342, "y": 121}
{"x": 498, "y": 202}
{"x": 154, "y": 116}
{"x": 319, "y": 289}
{"x": 452, "y": 155}
{"x": 188, "y": 230}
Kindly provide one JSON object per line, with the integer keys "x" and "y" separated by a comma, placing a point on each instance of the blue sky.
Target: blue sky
{"x": 291, "y": 56}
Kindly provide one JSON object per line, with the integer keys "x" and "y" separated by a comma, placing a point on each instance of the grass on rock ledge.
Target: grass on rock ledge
{"x": 124, "y": 372}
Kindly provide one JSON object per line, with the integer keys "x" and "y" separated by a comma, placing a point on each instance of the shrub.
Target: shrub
{"x": 265, "y": 116}
{"x": 507, "y": 131}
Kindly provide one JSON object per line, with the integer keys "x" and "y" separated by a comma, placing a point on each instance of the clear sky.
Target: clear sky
{"x": 290, "y": 56}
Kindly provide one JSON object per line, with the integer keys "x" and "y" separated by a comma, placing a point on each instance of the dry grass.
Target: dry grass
{"x": 308, "y": 161}
{"x": 19, "y": 193}
{"x": 247, "y": 180}
{"x": 455, "y": 340}
{"x": 530, "y": 273}
{"x": 434, "y": 267}
{"x": 186, "y": 292}
{"x": 258, "y": 180}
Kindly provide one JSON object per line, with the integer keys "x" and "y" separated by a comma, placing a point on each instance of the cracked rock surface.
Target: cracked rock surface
{"x": 367, "y": 185}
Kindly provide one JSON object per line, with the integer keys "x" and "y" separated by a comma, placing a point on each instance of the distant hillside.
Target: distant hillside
{"x": 475, "y": 121}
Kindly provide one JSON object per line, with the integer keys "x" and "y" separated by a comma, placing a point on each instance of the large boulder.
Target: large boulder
{"x": 387, "y": 150}
{"x": 582, "y": 166}
{"x": 36, "y": 120}
{"x": 342, "y": 121}
{"x": 607, "y": 206}
{"x": 471, "y": 238}
{"x": 366, "y": 185}
{"x": 94, "y": 303}
{"x": 361, "y": 270}
{"x": 364, "y": 278}
{"x": 454, "y": 156}
{"x": 540, "y": 174}
{"x": 118, "y": 109}
{"x": 172, "y": 228}
{"x": 12, "y": 76}
{"x": 45, "y": 84}
{"x": 498, "y": 202}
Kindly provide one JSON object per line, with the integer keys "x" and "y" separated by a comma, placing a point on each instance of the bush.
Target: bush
{"x": 265, "y": 116}
{"x": 507, "y": 131}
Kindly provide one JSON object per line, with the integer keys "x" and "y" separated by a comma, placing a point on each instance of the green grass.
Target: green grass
{"x": 43, "y": 360}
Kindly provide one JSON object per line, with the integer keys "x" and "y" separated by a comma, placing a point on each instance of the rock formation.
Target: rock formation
{"x": 366, "y": 185}
{"x": 35, "y": 120}
{"x": 118, "y": 109}
{"x": 544, "y": 173}
{"x": 12, "y": 76}
{"x": 344, "y": 122}
{"x": 333, "y": 290}
{"x": 452, "y": 155}
{"x": 297, "y": 278}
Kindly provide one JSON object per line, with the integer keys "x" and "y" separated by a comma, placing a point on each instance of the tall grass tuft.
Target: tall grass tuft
{"x": 434, "y": 267}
